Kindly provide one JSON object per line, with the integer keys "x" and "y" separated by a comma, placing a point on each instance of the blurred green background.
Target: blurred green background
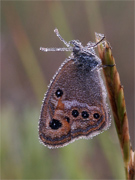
{"x": 26, "y": 72}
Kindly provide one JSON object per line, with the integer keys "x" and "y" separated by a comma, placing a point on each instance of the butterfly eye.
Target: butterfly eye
{"x": 59, "y": 93}
{"x": 85, "y": 114}
{"x": 96, "y": 115}
{"x": 55, "y": 124}
{"x": 75, "y": 113}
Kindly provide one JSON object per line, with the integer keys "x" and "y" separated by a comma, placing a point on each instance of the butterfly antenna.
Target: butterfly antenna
{"x": 55, "y": 49}
{"x": 91, "y": 45}
{"x": 69, "y": 48}
{"x": 59, "y": 36}
{"x": 100, "y": 40}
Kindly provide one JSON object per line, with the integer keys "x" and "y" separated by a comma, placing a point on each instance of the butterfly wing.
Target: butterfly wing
{"x": 74, "y": 106}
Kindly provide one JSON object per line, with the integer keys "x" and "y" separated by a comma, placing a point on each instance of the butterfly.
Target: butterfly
{"x": 74, "y": 105}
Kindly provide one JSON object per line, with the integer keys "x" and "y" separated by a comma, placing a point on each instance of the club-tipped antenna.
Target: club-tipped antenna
{"x": 92, "y": 45}
{"x": 69, "y": 47}
{"x": 55, "y": 49}
{"x": 100, "y": 40}
{"x": 59, "y": 36}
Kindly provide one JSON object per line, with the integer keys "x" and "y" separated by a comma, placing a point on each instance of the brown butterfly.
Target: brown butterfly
{"x": 75, "y": 104}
